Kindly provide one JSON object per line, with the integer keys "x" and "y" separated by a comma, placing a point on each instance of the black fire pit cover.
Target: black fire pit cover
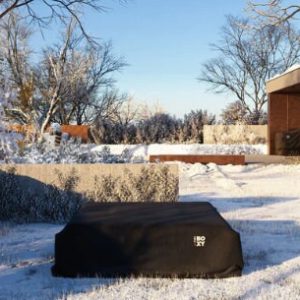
{"x": 148, "y": 239}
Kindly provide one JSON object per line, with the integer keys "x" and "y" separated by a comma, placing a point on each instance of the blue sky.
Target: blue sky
{"x": 164, "y": 42}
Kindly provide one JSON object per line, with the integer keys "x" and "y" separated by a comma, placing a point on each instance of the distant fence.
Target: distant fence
{"x": 235, "y": 134}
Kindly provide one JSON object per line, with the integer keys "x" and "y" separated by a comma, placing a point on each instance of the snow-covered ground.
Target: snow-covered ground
{"x": 143, "y": 151}
{"x": 261, "y": 202}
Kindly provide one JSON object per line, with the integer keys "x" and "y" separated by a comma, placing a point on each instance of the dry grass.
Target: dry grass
{"x": 150, "y": 185}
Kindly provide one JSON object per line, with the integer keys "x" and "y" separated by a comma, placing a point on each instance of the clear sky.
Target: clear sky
{"x": 164, "y": 42}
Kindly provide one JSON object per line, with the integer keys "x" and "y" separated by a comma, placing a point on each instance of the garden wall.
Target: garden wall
{"x": 53, "y": 193}
{"x": 235, "y": 134}
{"x": 48, "y": 173}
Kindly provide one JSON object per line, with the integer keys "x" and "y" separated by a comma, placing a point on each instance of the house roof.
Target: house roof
{"x": 287, "y": 82}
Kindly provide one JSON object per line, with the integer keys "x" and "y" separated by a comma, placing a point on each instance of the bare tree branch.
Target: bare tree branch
{"x": 274, "y": 12}
{"x": 75, "y": 81}
{"x": 58, "y": 10}
{"x": 247, "y": 58}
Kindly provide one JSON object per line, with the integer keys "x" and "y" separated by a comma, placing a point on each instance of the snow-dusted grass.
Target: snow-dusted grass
{"x": 261, "y": 202}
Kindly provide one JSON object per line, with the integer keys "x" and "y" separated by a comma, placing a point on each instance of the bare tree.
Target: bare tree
{"x": 274, "y": 12}
{"x": 57, "y": 66}
{"x": 247, "y": 58}
{"x": 129, "y": 112}
{"x": 76, "y": 83}
{"x": 16, "y": 69}
{"x": 56, "y": 10}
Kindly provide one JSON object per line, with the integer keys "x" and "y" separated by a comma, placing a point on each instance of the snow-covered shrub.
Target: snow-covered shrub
{"x": 237, "y": 134}
{"x": 159, "y": 128}
{"x": 107, "y": 132}
{"x": 9, "y": 191}
{"x": 49, "y": 204}
{"x": 151, "y": 184}
{"x": 69, "y": 152}
{"x": 237, "y": 149}
{"x": 235, "y": 113}
{"x": 193, "y": 123}
{"x": 61, "y": 202}
{"x": 8, "y": 140}
{"x": 24, "y": 199}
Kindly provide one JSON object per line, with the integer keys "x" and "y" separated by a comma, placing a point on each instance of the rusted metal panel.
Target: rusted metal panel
{"x": 76, "y": 131}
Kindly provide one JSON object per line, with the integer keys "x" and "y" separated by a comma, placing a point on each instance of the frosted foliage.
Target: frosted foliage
{"x": 234, "y": 113}
{"x": 151, "y": 185}
{"x": 8, "y": 140}
{"x": 69, "y": 152}
{"x": 47, "y": 203}
{"x": 23, "y": 199}
{"x": 73, "y": 152}
{"x": 55, "y": 127}
{"x": 237, "y": 135}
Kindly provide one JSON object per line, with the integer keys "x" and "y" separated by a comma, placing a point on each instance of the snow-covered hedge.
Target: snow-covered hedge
{"x": 48, "y": 203}
{"x": 23, "y": 199}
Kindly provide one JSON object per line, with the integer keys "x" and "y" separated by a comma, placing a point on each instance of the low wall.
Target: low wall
{"x": 48, "y": 173}
{"x": 235, "y": 134}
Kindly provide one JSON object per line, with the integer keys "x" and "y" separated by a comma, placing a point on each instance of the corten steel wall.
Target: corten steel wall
{"x": 47, "y": 173}
{"x": 77, "y": 131}
{"x": 284, "y": 115}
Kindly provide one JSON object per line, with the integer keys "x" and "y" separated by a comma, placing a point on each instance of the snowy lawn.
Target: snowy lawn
{"x": 261, "y": 202}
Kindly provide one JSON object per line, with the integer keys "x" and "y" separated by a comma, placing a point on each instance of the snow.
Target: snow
{"x": 262, "y": 202}
{"x": 290, "y": 69}
{"x": 144, "y": 151}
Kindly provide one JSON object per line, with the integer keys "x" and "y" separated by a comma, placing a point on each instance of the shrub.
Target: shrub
{"x": 157, "y": 128}
{"x": 51, "y": 203}
{"x": 68, "y": 152}
{"x": 59, "y": 203}
{"x": 192, "y": 127}
{"x": 151, "y": 184}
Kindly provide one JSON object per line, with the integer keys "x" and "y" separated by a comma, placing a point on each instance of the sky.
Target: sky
{"x": 164, "y": 43}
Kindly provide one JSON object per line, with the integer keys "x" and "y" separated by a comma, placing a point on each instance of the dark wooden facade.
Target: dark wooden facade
{"x": 283, "y": 106}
